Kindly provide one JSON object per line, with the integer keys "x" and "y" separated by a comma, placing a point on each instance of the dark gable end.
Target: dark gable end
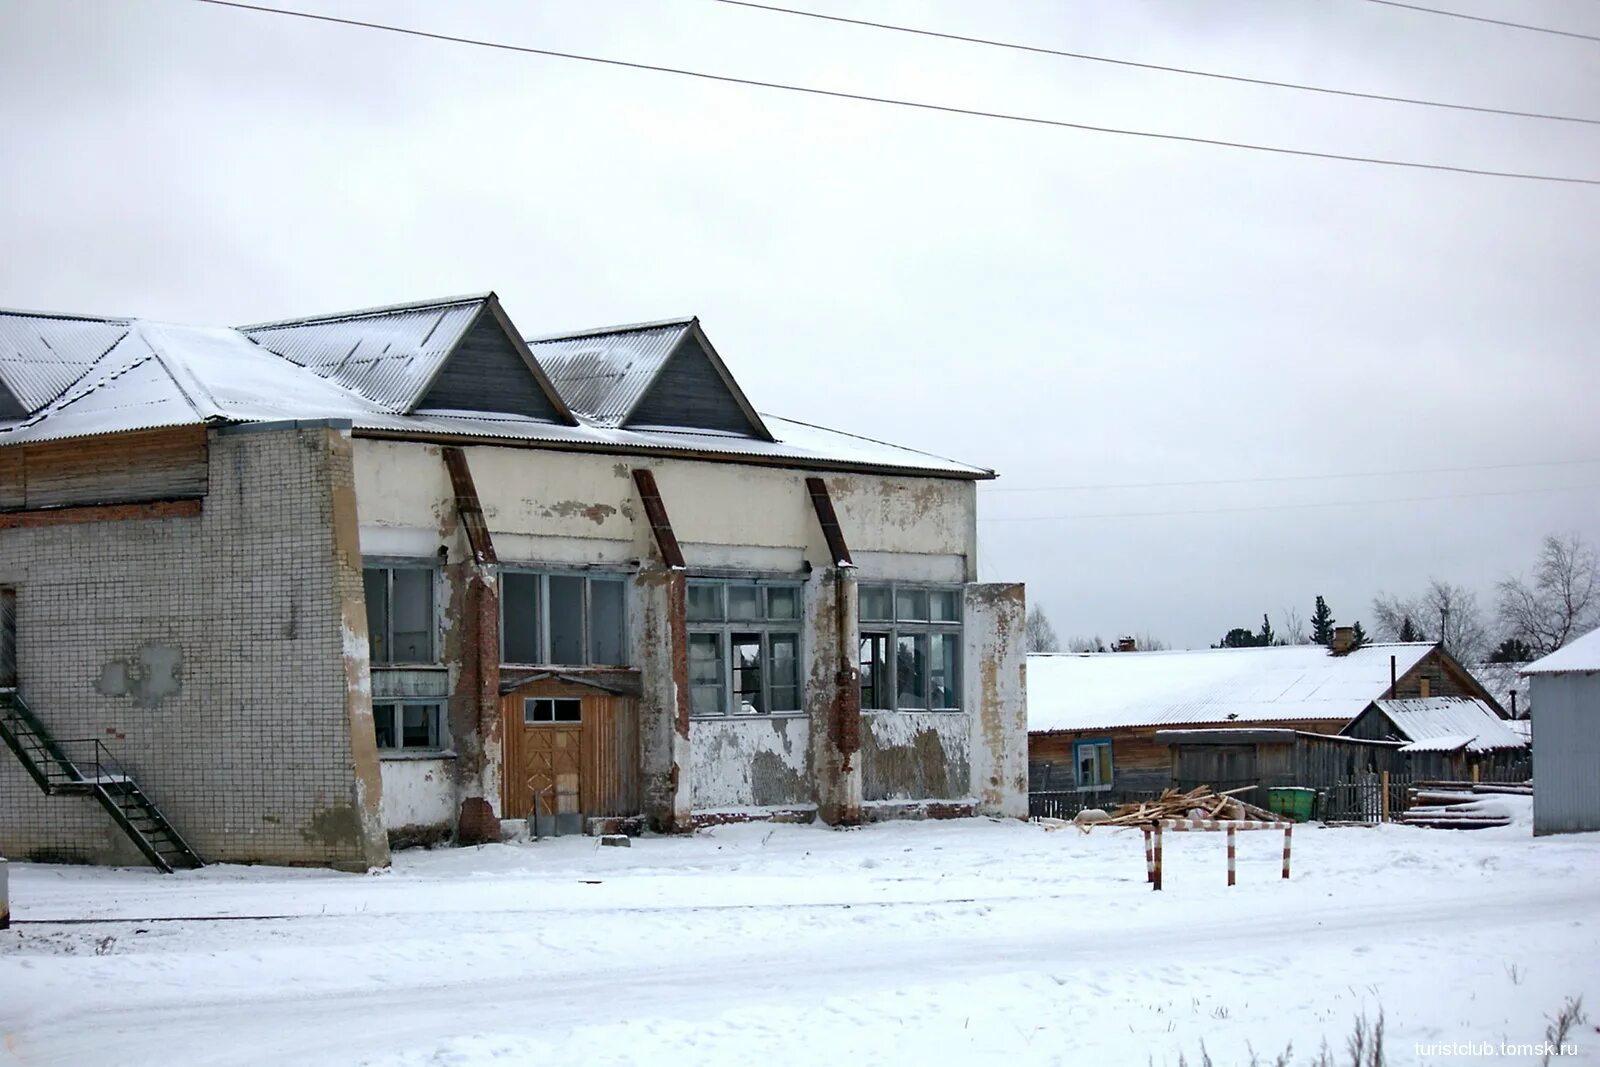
{"x": 487, "y": 372}
{"x": 10, "y": 406}
{"x": 693, "y": 391}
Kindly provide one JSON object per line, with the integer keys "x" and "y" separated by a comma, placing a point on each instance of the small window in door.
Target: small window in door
{"x": 547, "y": 709}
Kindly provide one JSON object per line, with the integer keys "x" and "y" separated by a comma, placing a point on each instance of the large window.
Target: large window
{"x": 910, "y": 647}
{"x": 1093, "y": 760}
{"x": 744, "y": 648}
{"x": 408, "y": 725}
{"x": 571, "y": 619}
{"x": 400, "y": 615}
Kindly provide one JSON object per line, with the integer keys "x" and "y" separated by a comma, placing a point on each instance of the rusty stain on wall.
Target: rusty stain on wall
{"x": 567, "y": 509}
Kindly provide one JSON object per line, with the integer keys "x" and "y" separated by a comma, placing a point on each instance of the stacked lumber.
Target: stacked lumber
{"x": 1514, "y": 789}
{"x": 1198, "y": 803}
{"x": 1455, "y": 806}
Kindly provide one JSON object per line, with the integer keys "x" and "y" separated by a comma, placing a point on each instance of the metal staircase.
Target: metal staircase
{"x": 85, "y": 767}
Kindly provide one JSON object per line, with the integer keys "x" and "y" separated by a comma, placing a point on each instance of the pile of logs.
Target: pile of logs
{"x": 1199, "y": 803}
{"x": 1461, "y": 805}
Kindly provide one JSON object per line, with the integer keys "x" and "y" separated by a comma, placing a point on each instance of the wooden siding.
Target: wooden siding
{"x": 608, "y": 759}
{"x": 485, "y": 372}
{"x": 689, "y": 392}
{"x": 144, "y": 465}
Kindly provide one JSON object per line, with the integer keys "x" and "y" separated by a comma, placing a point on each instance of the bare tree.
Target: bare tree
{"x": 1038, "y": 635}
{"x": 1561, "y": 601}
{"x": 1145, "y": 641}
{"x": 1450, "y": 611}
{"x": 1292, "y": 631}
{"x": 1086, "y": 644}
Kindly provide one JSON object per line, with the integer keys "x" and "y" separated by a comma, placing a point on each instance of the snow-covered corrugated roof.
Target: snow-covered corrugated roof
{"x": 40, "y": 354}
{"x": 1576, "y": 657}
{"x": 1102, "y": 690}
{"x": 388, "y": 355}
{"x": 159, "y": 374}
{"x": 603, "y": 373}
{"x": 1446, "y": 724}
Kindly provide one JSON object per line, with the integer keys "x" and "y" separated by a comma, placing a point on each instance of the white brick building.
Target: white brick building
{"x": 400, "y": 575}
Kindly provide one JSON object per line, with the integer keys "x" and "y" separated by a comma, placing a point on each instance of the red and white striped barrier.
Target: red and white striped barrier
{"x": 1153, "y": 832}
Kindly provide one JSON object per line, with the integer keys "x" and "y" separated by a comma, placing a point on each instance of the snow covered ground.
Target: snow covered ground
{"x": 929, "y": 943}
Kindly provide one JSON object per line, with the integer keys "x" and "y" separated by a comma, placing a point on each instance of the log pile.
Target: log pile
{"x": 1460, "y": 805}
{"x": 1198, "y": 803}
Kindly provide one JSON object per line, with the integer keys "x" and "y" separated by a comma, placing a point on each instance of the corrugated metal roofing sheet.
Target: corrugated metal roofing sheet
{"x": 1577, "y": 657}
{"x": 602, "y": 375}
{"x": 1102, "y": 690}
{"x": 40, "y": 355}
{"x": 1446, "y": 724}
{"x": 388, "y": 355}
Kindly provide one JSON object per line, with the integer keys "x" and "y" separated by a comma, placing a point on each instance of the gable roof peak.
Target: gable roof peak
{"x": 362, "y": 313}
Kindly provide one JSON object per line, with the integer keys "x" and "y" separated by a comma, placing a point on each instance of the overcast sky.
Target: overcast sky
{"x": 1066, "y": 307}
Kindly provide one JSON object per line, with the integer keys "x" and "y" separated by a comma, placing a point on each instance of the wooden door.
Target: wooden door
{"x": 552, "y": 762}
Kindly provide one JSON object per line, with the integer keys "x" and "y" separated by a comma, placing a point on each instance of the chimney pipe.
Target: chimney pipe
{"x": 1391, "y": 678}
{"x": 1344, "y": 639}
{"x": 1513, "y": 703}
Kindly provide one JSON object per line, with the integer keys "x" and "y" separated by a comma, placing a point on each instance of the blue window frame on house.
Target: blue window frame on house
{"x": 1092, "y": 759}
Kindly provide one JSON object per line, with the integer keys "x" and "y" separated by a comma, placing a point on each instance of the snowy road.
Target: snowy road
{"x": 969, "y": 942}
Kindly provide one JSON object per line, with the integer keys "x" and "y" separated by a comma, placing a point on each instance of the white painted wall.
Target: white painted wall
{"x": 417, "y": 793}
{"x": 725, "y": 755}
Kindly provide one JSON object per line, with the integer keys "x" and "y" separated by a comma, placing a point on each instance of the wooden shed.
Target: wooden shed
{"x": 571, "y": 751}
{"x": 1269, "y": 757}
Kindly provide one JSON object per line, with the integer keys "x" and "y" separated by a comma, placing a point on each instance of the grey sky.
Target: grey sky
{"x": 1065, "y": 307}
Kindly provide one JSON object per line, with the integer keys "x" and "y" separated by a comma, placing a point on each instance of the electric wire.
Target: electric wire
{"x": 1033, "y": 120}
{"x": 1490, "y": 21}
{"x": 1189, "y": 71}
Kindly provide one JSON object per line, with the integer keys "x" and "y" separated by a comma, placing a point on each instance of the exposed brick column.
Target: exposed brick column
{"x": 478, "y": 761}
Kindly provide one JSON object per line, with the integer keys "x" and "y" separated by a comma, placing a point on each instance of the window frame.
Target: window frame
{"x": 543, "y": 574}
{"x": 438, "y": 723}
{"x": 766, "y": 627}
{"x": 388, "y": 565}
{"x": 929, "y": 630}
{"x": 1077, "y": 764}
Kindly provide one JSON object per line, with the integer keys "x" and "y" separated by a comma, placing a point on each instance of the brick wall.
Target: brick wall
{"x": 221, "y": 658}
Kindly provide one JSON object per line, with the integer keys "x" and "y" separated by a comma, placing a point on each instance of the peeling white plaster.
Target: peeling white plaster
{"x": 723, "y": 755}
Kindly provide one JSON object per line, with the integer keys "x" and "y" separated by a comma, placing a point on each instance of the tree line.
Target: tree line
{"x": 1533, "y": 614}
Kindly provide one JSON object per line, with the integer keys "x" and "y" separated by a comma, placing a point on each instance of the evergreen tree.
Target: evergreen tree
{"x": 1359, "y": 636}
{"x": 1409, "y": 632}
{"x": 1512, "y": 650}
{"x": 1265, "y": 636}
{"x": 1239, "y": 637}
{"x": 1322, "y": 623}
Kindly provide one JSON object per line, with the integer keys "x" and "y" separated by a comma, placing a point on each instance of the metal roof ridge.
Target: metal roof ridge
{"x": 361, "y": 313}
{"x": 601, "y": 331}
{"x": 182, "y": 375}
{"x": 119, "y": 320}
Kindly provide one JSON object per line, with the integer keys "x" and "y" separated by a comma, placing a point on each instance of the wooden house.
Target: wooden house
{"x": 1094, "y": 718}
{"x": 1448, "y": 738}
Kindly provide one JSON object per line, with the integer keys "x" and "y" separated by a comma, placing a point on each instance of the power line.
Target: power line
{"x": 1492, "y": 22}
{"x": 1282, "y": 477}
{"x": 1157, "y": 66}
{"x": 1290, "y": 507}
{"x": 896, "y": 102}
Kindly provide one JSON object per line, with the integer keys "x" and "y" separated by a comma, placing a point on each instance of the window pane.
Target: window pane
{"x": 747, "y": 697}
{"x": 705, "y": 674}
{"x": 419, "y": 729}
{"x": 412, "y": 614}
{"x": 1086, "y": 766}
{"x": 1103, "y": 767}
{"x": 783, "y": 602}
{"x": 783, "y": 671}
{"x": 911, "y": 670}
{"x": 567, "y": 711}
{"x": 911, "y": 604}
{"x": 608, "y": 622}
{"x": 744, "y": 602}
{"x": 566, "y": 618}
{"x": 535, "y": 710}
{"x": 945, "y": 671}
{"x": 519, "y": 638}
{"x": 383, "y": 721}
{"x": 944, "y": 605}
{"x": 375, "y": 580}
{"x": 875, "y": 602}
{"x": 875, "y": 671}
{"x": 705, "y": 602}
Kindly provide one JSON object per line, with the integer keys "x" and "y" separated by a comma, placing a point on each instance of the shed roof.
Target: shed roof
{"x": 1103, "y": 690}
{"x": 1449, "y": 724}
{"x": 367, "y": 368}
{"x": 1576, "y": 657}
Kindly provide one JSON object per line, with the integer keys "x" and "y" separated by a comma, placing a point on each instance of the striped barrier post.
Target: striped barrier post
{"x": 1155, "y": 881}
{"x": 1288, "y": 832}
{"x": 5, "y": 897}
{"x": 1149, "y": 857}
{"x": 1231, "y": 838}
